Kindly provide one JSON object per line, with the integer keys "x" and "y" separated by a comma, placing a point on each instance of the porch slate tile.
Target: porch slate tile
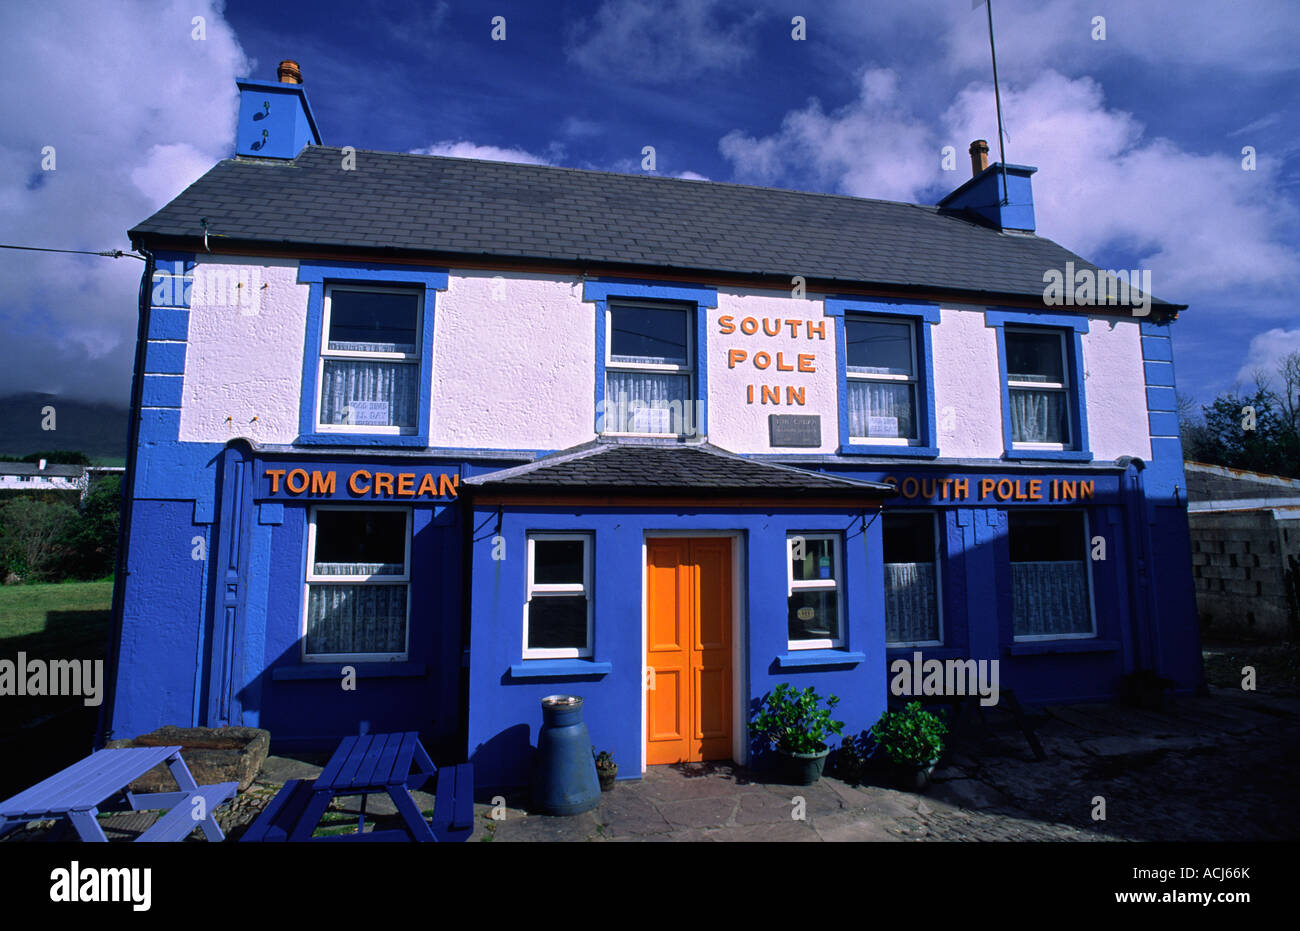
{"x": 699, "y": 812}
{"x": 625, "y": 813}
{"x": 783, "y": 832}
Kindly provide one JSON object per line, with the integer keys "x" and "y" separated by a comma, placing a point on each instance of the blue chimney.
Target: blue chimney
{"x": 1000, "y": 195}
{"x": 275, "y": 119}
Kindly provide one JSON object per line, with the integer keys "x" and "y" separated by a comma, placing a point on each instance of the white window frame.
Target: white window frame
{"x": 413, "y": 358}
{"x": 1063, "y": 386}
{"x": 802, "y": 585}
{"x": 938, "y": 580}
{"x": 1087, "y": 572}
{"x": 312, "y": 578}
{"x": 687, "y": 368}
{"x": 886, "y": 377}
{"x": 555, "y": 588}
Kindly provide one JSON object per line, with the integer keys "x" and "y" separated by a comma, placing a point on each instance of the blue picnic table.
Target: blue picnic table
{"x": 76, "y": 793}
{"x": 370, "y": 763}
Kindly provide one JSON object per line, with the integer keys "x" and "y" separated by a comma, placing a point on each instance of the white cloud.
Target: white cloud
{"x": 135, "y": 109}
{"x": 659, "y": 42}
{"x": 1197, "y": 220}
{"x": 490, "y": 153}
{"x": 874, "y": 147}
{"x": 1266, "y": 352}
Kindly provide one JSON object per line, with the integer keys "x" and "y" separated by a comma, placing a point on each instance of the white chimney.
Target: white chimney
{"x": 41, "y": 465}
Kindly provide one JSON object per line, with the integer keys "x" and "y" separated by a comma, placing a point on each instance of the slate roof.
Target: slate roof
{"x": 395, "y": 203}
{"x": 647, "y": 468}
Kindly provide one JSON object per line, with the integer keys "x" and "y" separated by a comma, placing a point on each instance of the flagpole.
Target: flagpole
{"x": 997, "y": 96}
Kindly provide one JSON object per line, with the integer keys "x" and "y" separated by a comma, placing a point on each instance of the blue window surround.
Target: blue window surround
{"x": 600, "y": 291}
{"x": 320, "y": 274}
{"x": 921, "y": 315}
{"x": 1076, "y": 324}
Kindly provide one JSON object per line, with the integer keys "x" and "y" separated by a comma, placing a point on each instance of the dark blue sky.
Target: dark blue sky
{"x": 1137, "y": 136}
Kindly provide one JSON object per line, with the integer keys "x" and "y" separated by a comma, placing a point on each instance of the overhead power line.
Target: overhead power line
{"x": 108, "y": 253}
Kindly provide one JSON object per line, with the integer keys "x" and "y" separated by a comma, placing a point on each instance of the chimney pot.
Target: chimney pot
{"x": 979, "y": 156}
{"x": 289, "y": 72}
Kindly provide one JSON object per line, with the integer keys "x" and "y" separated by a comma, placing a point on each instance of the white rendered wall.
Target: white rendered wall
{"x": 1114, "y": 387}
{"x": 514, "y": 363}
{"x": 736, "y": 423}
{"x": 967, "y": 386}
{"x": 244, "y": 358}
{"x": 514, "y": 366}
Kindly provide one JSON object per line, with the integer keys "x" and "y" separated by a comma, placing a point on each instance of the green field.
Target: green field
{"x": 64, "y": 619}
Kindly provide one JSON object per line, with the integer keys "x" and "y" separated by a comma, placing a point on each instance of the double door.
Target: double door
{"x": 688, "y": 649}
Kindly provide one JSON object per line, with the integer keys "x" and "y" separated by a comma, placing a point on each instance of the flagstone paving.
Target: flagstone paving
{"x": 1214, "y": 767}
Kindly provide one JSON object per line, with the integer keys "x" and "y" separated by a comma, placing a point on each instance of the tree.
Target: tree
{"x": 1258, "y": 431}
{"x": 90, "y": 541}
{"x": 32, "y": 535}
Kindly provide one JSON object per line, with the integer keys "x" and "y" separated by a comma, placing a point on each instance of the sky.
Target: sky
{"x": 1168, "y": 145}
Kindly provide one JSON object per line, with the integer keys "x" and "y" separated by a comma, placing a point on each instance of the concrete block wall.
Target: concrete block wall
{"x": 1243, "y": 566}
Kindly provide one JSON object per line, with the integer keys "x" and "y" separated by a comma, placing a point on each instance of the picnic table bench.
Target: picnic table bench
{"x": 390, "y": 763}
{"x": 78, "y": 791}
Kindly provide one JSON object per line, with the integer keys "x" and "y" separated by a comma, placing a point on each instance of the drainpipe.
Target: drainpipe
{"x": 105, "y": 725}
{"x": 1139, "y": 575}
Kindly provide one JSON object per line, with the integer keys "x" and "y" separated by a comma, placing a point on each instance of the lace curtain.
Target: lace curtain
{"x": 394, "y": 384}
{"x": 1038, "y": 417}
{"x": 911, "y": 602}
{"x": 356, "y": 618}
{"x": 875, "y": 404}
{"x": 664, "y": 406}
{"x": 1049, "y": 598}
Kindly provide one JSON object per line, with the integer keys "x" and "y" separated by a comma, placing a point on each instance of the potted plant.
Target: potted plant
{"x": 797, "y": 724}
{"x": 851, "y": 759}
{"x": 606, "y": 769}
{"x": 912, "y": 741}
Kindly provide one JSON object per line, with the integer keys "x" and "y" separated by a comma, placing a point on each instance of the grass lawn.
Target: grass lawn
{"x": 57, "y": 620}
{"x": 40, "y": 734}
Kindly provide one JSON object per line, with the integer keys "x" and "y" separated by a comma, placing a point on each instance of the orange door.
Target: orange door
{"x": 688, "y": 650}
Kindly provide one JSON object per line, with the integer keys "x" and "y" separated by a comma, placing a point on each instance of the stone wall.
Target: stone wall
{"x": 1246, "y": 565}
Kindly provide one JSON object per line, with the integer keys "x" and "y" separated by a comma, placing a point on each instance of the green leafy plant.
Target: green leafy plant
{"x": 604, "y": 759}
{"x": 795, "y": 720}
{"x": 912, "y": 737}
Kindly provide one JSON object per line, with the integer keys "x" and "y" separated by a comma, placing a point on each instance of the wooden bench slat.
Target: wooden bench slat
{"x": 281, "y": 814}
{"x": 179, "y": 822}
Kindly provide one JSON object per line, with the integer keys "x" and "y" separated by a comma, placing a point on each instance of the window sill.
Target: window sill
{"x": 1053, "y": 455}
{"x": 1042, "y": 647}
{"x": 363, "y": 671}
{"x": 886, "y": 449}
{"x": 927, "y": 652}
{"x": 360, "y": 439}
{"x": 800, "y": 658}
{"x": 554, "y": 668}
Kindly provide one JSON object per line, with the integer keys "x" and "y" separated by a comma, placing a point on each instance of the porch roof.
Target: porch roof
{"x": 670, "y": 468}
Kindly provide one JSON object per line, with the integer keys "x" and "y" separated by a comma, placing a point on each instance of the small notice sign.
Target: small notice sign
{"x": 367, "y": 413}
{"x": 801, "y": 430}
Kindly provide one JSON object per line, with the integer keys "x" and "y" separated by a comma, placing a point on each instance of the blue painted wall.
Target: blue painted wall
{"x": 505, "y": 709}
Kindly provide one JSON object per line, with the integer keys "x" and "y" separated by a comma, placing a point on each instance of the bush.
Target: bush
{"x": 46, "y": 539}
{"x": 33, "y": 538}
{"x": 911, "y": 737}
{"x": 795, "y": 720}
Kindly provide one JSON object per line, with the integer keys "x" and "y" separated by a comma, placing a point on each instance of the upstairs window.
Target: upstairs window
{"x": 881, "y": 372}
{"x": 649, "y": 369}
{"x": 370, "y": 360}
{"x": 1038, "y": 389}
{"x": 1051, "y": 588}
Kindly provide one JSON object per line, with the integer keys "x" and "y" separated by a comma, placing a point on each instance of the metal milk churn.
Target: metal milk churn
{"x": 564, "y": 777}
